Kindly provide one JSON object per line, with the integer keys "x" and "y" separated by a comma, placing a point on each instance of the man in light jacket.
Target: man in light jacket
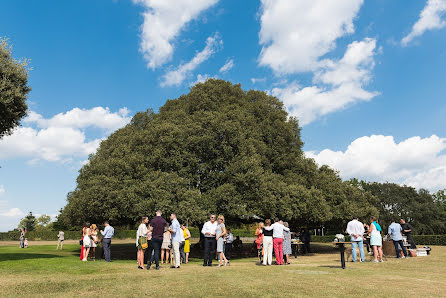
{"x": 356, "y": 231}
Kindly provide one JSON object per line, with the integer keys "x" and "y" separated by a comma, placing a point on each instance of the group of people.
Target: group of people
{"x": 90, "y": 241}
{"x": 158, "y": 239}
{"x": 360, "y": 232}
{"x": 273, "y": 236}
{"x": 23, "y": 239}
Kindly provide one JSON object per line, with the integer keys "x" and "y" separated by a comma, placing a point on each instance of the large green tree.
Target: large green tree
{"x": 13, "y": 89}
{"x": 218, "y": 148}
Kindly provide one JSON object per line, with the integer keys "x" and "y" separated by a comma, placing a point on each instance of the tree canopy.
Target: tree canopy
{"x": 216, "y": 149}
{"x": 13, "y": 89}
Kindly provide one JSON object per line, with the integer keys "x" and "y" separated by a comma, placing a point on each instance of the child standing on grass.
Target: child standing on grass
{"x": 26, "y": 243}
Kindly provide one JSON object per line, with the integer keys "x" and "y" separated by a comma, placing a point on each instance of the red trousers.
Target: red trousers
{"x": 278, "y": 250}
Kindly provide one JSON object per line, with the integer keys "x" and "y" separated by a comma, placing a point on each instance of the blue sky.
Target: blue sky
{"x": 365, "y": 79}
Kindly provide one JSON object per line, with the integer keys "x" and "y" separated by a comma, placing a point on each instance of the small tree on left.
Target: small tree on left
{"x": 14, "y": 89}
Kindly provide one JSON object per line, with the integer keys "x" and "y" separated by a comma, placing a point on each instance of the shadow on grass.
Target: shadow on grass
{"x": 25, "y": 256}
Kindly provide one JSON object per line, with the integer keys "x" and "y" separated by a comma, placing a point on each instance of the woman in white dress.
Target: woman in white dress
{"x": 220, "y": 233}
{"x": 86, "y": 242}
{"x": 376, "y": 241}
{"x": 94, "y": 241}
{"x": 141, "y": 240}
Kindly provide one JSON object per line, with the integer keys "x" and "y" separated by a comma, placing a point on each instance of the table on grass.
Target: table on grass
{"x": 297, "y": 247}
{"x": 342, "y": 250}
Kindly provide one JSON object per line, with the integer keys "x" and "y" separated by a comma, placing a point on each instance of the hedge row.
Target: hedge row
{"x": 126, "y": 234}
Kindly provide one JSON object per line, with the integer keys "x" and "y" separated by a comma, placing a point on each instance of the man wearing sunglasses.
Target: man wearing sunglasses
{"x": 210, "y": 243}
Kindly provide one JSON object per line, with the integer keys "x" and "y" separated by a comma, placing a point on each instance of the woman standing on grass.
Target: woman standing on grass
{"x": 22, "y": 237}
{"x": 141, "y": 240}
{"x": 86, "y": 241}
{"x": 287, "y": 244}
{"x": 94, "y": 241}
{"x": 165, "y": 246}
{"x": 220, "y": 232}
{"x": 82, "y": 240}
{"x": 259, "y": 241}
{"x": 186, "y": 234}
{"x": 376, "y": 240}
{"x": 267, "y": 244}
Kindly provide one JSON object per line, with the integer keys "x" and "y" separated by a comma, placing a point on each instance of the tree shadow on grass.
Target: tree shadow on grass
{"x": 25, "y": 256}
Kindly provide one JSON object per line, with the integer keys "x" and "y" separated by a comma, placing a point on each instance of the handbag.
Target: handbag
{"x": 81, "y": 242}
{"x": 144, "y": 244}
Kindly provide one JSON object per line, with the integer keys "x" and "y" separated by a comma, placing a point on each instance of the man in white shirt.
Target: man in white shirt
{"x": 356, "y": 231}
{"x": 278, "y": 229}
{"x": 210, "y": 243}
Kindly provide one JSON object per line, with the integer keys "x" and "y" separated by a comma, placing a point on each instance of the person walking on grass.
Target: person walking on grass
{"x": 356, "y": 231}
{"x": 141, "y": 240}
{"x": 395, "y": 232}
{"x": 220, "y": 233}
{"x": 158, "y": 225}
{"x": 177, "y": 238}
{"x": 22, "y": 237}
{"x": 60, "y": 239}
{"x": 376, "y": 240}
{"x": 107, "y": 233}
{"x": 208, "y": 230}
{"x": 267, "y": 243}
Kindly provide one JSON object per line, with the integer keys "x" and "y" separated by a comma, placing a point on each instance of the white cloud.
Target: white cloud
{"x": 228, "y": 66}
{"x": 295, "y": 33}
{"x": 177, "y": 76}
{"x": 163, "y": 21}
{"x": 61, "y": 137}
{"x": 2, "y": 190}
{"x": 202, "y": 79}
{"x": 419, "y": 162}
{"x": 258, "y": 80}
{"x": 340, "y": 83}
{"x": 13, "y": 212}
{"x": 430, "y": 19}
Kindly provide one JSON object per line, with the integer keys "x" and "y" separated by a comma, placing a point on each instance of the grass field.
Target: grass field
{"x": 40, "y": 270}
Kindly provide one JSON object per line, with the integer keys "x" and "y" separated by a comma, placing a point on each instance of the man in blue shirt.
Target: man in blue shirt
{"x": 107, "y": 233}
{"x": 395, "y": 232}
{"x": 177, "y": 238}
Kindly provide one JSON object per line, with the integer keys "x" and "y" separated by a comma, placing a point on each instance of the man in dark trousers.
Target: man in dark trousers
{"x": 158, "y": 225}
{"x": 407, "y": 231}
{"x": 208, "y": 231}
{"x": 107, "y": 233}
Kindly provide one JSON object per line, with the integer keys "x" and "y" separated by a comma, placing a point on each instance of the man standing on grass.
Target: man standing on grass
{"x": 208, "y": 230}
{"x": 407, "y": 231}
{"x": 158, "y": 225}
{"x": 395, "y": 232}
{"x": 356, "y": 231}
{"x": 107, "y": 233}
{"x": 177, "y": 238}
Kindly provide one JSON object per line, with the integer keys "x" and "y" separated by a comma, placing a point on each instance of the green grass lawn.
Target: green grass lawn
{"x": 42, "y": 271}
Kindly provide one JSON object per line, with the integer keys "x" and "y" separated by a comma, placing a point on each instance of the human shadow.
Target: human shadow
{"x": 25, "y": 256}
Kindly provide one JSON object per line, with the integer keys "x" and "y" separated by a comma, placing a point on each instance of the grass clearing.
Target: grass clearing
{"x": 41, "y": 270}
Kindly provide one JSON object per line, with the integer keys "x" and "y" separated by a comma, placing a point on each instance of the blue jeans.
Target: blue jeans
{"x": 397, "y": 249}
{"x": 361, "y": 250}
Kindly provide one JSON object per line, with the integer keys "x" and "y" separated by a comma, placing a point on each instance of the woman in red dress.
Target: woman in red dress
{"x": 259, "y": 241}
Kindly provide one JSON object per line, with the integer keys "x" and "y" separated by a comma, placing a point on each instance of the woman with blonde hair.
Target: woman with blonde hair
{"x": 376, "y": 240}
{"x": 259, "y": 241}
{"x": 141, "y": 240}
{"x": 187, "y": 235}
{"x": 220, "y": 232}
{"x": 94, "y": 241}
{"x": 86, "y": 231}
{"x": 166, "y": 246}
